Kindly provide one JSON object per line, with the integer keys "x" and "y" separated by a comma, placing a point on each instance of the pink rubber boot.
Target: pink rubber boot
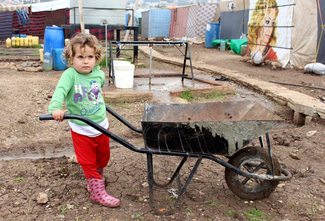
{"x": 101, "y": 174}
{"x": 98, "y": 193}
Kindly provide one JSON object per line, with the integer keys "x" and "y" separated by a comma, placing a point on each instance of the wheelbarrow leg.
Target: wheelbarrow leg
{"x": 196, "y": 166}
{"x": 261, "y": 141}
{"x": 268, "y": 142}
{"x": 270, "y": 151}
{"x": 150, "y": 179}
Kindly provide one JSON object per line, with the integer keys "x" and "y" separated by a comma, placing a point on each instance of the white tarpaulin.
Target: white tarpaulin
{"x": 50, "y": 6}
{"x": 11, "y": 8}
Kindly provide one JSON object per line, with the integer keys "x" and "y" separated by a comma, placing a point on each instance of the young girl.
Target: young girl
{"x": 80, "y": 88}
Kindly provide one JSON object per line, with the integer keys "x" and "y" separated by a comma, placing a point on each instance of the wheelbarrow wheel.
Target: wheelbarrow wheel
{"x": 252, "y": 160}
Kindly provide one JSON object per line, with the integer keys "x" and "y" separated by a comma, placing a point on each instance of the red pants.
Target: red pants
{"x": 92, "y": 153}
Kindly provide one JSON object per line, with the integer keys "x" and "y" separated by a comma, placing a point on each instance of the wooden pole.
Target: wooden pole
{"x": 81, "y": 14}
{"x": 130, "y": 21}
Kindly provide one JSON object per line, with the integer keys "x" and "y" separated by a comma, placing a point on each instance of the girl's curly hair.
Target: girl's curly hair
{"x": 80, "y": 40}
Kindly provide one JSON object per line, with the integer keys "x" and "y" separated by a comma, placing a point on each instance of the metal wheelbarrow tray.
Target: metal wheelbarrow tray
{"x": 206, "y": 130}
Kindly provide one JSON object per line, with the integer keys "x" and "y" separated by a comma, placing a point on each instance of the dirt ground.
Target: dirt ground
{"x": 32, "y": 164}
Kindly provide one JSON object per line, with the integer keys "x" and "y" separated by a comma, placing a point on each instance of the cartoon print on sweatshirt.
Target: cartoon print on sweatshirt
{"x": 95, "y": 91}
{"x": 88, "y": 97}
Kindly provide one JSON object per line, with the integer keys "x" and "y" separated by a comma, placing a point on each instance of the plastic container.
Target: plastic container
{"x": 243, "y": 50}
{"x": 26, "y": 42}
{"x": 53, "y": 38}
{"x": 22, "y": 42}
{"x": 223, "y": 45}
{"x": 48, "y": 61}
{"x": 124, "y": 75}
{"x": 8, "y": 43}
{"x": 17, "y": 41}
{"x": 35, "y": 40}
{"x": 59, "y": 62}
{"x": 211, "y": 34}
{"x": 13, "y": 41}
{"x": 41, "y": 55}
{"x": 119, "y": 63}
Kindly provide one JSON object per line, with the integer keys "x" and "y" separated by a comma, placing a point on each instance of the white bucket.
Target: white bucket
{"x": 124, "y": 74}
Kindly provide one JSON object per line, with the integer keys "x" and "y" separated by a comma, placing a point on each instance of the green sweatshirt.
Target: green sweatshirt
{"x": 82, "y": 95}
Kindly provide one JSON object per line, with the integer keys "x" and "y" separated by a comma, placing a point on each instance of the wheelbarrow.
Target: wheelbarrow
{"x": 206, "y": 131}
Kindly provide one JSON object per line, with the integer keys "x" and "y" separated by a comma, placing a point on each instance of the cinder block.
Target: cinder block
{"x": 308, "y": 120}
{"x": 299, "y": 118}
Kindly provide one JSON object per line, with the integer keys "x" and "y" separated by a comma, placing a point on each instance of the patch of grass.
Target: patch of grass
{"x": 211, "y": 203}
{"x": 215, "y": 95}
{"x": 35, "y": 52}
{"x": 137, "y": 217}
{"x": 141, "y": 66}
{"x": 256, "y": 215}
{"x": 123, "y": 106}
{"x": 187, "y": 95}
{"x": 19, "y": 179}
{"x": 231, "y": 212}
{"x": 103, "y": 63}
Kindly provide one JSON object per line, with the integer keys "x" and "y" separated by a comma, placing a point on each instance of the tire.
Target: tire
{"x": 249, "y": 188}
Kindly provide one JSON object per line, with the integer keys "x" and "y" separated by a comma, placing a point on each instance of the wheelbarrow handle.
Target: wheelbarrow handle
{"x": 46, "y": 117}
{"x": 50, "y": 117}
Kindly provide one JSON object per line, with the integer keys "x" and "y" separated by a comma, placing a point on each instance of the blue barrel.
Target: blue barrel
{"x": 53, "y": 38}
{"x": 212, "y": 33}
{"x": 59, "y": 62}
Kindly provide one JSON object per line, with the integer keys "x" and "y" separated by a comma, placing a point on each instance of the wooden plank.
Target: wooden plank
{"x": 81, "y": 13}
{"x": 126, "y": 36}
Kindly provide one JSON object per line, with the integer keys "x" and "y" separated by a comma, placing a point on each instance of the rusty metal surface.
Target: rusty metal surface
{"x": 209, "y": 128}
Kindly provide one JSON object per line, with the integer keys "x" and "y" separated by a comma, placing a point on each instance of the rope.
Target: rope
{"x": 321, "y": 35}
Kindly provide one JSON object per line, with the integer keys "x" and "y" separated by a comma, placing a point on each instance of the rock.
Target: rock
{"x": 294, "y": 156}
{"x": 27, "y": 64}
{"x": 145, "y": 185}
{"x": 33, "y": 69}
{"x": 311, "y": 133}
{"x": 42, "y": 198}
{"x": 73, "y": 159}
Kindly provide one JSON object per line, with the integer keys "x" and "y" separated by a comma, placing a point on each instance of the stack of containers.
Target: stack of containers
{"x": 22, "y": 40}
{"x": 53, "y": 49}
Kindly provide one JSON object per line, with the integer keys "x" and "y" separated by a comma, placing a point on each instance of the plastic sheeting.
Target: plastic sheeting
{"x": 50, "y": 6}
{"x": 5, "y": 25}
{"x": 198, "y": 17}
{"x": 178, "y": 22}
{"x": 304, "y": 33}
{"x": 156, "y": 23}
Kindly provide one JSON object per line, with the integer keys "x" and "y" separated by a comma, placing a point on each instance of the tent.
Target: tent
{"x": 298, "y": 42}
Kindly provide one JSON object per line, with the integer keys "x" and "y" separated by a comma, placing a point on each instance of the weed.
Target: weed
{"x": 256, "y": 215}
{"x": 36, "y": 52}
{"x": 231, "y": 212}
{"x": 124, "y": 106}
{"x": 136, "y": 217}
{"x": 141, "y": 66}
{"x": 215, "y": 95}
{"x": 63, "y": 210}
{"x": 187, "y": 95}
{"x": 19, "y": 179}
{"x": 52, "y": 193}
{"x": 188, "y": 209}
{"x": 211, "y": 203}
